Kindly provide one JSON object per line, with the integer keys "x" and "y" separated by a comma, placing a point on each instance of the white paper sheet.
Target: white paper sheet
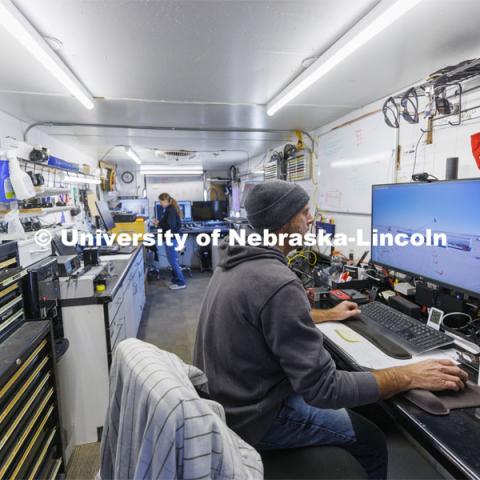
{"x": 368, "y": 355}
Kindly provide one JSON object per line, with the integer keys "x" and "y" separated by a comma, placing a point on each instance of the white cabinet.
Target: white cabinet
{"x": 94, "y": 330}
{"x": 129, "y": 302}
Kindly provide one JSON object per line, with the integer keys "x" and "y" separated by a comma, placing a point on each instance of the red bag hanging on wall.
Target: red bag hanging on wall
{"x": 475, "y": 138}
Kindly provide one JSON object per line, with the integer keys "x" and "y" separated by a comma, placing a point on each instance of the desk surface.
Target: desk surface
{"x": 120, "y": 266}
{"x": 454, "y": 439}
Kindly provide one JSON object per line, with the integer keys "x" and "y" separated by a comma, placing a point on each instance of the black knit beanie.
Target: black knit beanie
{"x": 272, "y": 204}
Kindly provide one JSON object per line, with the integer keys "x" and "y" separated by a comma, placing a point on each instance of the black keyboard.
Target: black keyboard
{"x": 412, "y": 334}
{"x": 116, "y": 250}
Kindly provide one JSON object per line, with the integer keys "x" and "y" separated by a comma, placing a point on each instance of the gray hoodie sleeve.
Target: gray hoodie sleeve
{"x": 293, "y": 338}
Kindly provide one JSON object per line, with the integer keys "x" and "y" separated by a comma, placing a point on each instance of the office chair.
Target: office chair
{"x": 311, "y": 463}
{"x": 181, "y": 262}
{"x": 161, "y": 443}
{"x": 153, "y": 272}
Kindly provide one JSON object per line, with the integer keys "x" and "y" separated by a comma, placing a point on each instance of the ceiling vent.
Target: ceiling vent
{"x": 176, "y": 154}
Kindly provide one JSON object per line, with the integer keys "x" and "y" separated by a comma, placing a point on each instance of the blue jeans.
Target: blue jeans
{"x": 298, "y": 424}
{"x": 177, "y": 274}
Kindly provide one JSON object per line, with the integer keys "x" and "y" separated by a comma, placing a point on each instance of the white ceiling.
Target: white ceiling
{"x": 216, "y": 63}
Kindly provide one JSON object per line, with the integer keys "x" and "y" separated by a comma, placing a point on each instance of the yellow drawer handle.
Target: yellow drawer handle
{"x": 31, "y": 444}
{"x": 25, "y": 365}
{"x": 20, "y": 443}
{"x": 13, "y": 278}
{"x": 22, "y": 390}
{"x": 25, "y": 409}
{"x": 11, "y": 319}
{"x": 11, "y": 304}
{"x": 8, "y": 290}
{"x": 8, "y": 262}
{"x": 55, "y": 469}
{"x": 41, "y": 457}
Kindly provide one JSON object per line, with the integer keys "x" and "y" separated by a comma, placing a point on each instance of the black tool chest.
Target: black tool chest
{"x": 30, "y": 435}
{"x": 11, "y": 295}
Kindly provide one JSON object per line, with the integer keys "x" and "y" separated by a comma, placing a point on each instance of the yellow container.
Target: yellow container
{"x": 139, "y": 226}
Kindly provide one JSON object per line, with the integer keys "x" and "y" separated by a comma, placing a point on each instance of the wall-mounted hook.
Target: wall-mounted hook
{"x": 459, "y": 93}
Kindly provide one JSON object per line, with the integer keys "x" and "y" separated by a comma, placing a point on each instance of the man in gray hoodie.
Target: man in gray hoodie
{"x": 265, "y": 359}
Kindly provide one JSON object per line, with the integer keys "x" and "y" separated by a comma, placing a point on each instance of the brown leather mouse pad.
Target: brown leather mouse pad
{"x": 440, "y": 403}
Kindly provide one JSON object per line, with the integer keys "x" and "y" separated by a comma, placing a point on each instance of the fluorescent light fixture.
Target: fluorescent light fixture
{"x": 18, "y": 26}
{"x": 381, "y": 17}
{"x": 79, "y": 179}
{"x": 171, "y": 170}
{"x": 133, "y": 155}
{"x": 174, "y": 173}
{"x": 355, "y": 162}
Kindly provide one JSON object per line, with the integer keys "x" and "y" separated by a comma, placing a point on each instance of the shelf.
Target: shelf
{"x": 66, "y": 208}
{"x": 36, "y": 165}
{"x": 39, "y": 212}
{"x": 51, "y": 192}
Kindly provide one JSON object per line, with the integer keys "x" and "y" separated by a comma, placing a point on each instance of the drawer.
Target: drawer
{"x": 43, "y": 392}
{"x": 32, "y": 362}
{"x": 117, "y": 331}
{"x": 114, "y": 306}
{"x": 44, "y": 458}
{"x": 30, "y": 442}
{"x": 117, "y": 301}
{"x": 138, "y": 263}
{"x": 27, "y": 441}
{"x": 117, "y": 326}
{"x": 21, "y": 392}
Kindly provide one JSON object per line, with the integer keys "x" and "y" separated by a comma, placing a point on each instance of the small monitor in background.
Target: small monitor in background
{"x": 202, "y": 211}
{"x": 105, "y": 215}
{"x": 326, "y": 228}
{"x": 61, "y": 249}
{"x": 186, "y": 208}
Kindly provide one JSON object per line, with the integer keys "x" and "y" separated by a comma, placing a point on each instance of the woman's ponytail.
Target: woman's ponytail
{"x": 172, "y": 201}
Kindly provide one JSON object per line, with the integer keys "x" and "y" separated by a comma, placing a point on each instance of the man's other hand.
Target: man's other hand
{"x": 343, "y": 311}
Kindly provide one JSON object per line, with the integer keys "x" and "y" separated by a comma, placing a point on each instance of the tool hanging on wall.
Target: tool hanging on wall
{"x": 409, "y": 103}
{"x": 436, "y": 91}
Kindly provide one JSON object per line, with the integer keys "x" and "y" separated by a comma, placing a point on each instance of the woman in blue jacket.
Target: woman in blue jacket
{"x": 171, "y": 220}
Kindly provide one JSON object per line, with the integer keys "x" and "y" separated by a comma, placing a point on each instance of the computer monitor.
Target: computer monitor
{"x": 135, "y": 205}
{"x": 186, "y": 208}
{"x": 202, "y": 211}
{"x": 105, "y": 215}
{"x": 449, "y": 207}
{"x": 220, "y": 209}
{"x": 61, "y": 249}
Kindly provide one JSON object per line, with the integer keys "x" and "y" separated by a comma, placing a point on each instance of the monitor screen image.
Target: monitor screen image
{"x": 210, "y": 210}
{"x": 202, "y": 211}
{"x": 105, "y": 215}
{"x": 186, "y": 208}
{"x": 450, "y": 208}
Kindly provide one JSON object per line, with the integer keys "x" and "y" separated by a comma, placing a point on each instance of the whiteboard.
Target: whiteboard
{"x": 351, "y": 159}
